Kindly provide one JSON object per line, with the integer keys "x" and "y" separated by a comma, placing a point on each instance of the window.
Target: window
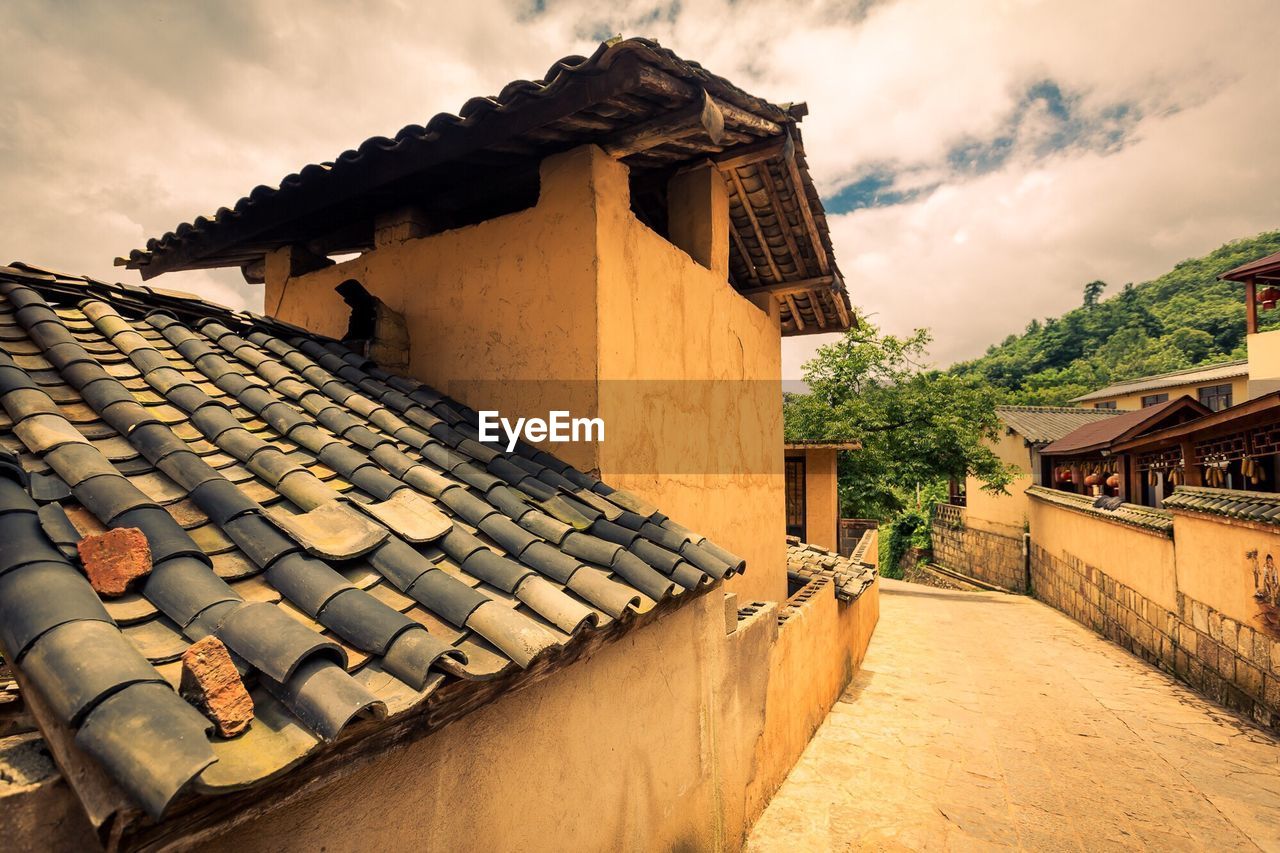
{"x": 1110, "y": 404}
{"x": 1153, "y": 399}
{"x": 1216, "y": 397}
{"x": 956, "y": 494}
{"x": 795, "y": 497}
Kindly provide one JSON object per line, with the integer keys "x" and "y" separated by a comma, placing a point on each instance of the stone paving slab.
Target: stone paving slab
{"x": 984, "y": 721}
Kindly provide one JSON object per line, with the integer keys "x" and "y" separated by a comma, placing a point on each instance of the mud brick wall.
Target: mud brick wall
{"x": 979, "y": 554}
{"x": 1219, "y": 657}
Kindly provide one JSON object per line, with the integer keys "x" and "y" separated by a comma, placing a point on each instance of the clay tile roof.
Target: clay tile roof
{"x": 851, "y": 575}
{"x": 1101, "y": 434}
{"x": 1042, "y": 424}
{"x": 342, "y": 530}
{"x": 1260, "y": 507}
{"x": 637, "y": 100}
{"x": 1193, "y": 375}
{"x": 820, "y": 444}
{"x": 1155, "y": 521}
{"x": 1267, "y": 268}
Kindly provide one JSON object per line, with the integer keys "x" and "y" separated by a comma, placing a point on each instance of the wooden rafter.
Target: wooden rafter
{"x": 806, "y": 212}
{"x": 795, "y": 312}
{"x": 746, "y": 256}
{"x": 783, "y": 223}
{"x": 755, "y": 223}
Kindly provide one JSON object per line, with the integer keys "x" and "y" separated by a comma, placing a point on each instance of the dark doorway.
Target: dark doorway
{"x": 795, "y": 497}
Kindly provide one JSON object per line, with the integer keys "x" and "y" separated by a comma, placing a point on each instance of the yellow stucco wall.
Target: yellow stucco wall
{"x": 1239, "y": 389}
{"x": 691, "y": 373}
{"x": 1264, "y": 363}
{"x": 687, "y": 734}
{"x": 822, "y": 496}
{"x": 1143, "y": 561}
{"x": 1213, "y": 562}
{"x": 574, "y": 304}
{"x": 1002, "y": 514}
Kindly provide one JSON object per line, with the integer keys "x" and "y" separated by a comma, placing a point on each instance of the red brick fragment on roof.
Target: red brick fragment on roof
{"x": 115, "y": 561}
{"x": 211, "y": 683}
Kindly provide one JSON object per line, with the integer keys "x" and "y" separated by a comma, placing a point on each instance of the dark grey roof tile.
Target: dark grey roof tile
{"x": 272, "y": 642}
{"x": 37, "y": 597}
{"x": 445, "y": 596}
{"x": 150, "y": 740}
{"x": 326, "y": 698}
{"x": 165, "y": 537}
{"x": 78, "y": 664}
{"x": 59, "y": 529}
{"x": 24, "y": 539}
{"x": 363, "y": 621}
{"x": 221, "y": 501}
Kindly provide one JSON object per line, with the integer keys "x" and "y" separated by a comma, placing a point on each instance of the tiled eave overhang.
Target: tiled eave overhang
{"x": 638, "y": 101}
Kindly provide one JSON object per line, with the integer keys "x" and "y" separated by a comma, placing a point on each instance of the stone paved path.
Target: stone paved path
{"x": 989, "y": 721}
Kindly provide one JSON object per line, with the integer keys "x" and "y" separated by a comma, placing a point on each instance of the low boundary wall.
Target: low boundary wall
{"x": 987, "y": 556}
{"x": 1136, "y": 593}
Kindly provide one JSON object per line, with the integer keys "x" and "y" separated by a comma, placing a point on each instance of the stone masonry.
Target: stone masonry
{"x": 980, "y": 554}
{"x": 1219, "y": 657}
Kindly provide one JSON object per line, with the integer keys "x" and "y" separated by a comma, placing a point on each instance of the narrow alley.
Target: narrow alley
{"x": 991, "y": 721}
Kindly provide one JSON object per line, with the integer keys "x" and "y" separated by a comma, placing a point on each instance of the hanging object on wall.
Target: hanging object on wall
{"x": 1266, "y": 591}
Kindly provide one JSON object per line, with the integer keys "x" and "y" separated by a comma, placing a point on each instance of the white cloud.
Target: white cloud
{"x": 119, "y": 121}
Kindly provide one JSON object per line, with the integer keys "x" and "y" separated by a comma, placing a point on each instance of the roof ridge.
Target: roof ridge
{"x": 1065, "y": 410}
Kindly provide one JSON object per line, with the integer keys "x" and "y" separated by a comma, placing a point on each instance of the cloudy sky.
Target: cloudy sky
{"x": 981, "y": 160}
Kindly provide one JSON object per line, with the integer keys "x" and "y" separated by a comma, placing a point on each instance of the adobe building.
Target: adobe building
{"x": 982, "y": 535}
{"x": 302, "y": 599}
{"x": 812, "y": 483}
{"x": 1217, "y": 386}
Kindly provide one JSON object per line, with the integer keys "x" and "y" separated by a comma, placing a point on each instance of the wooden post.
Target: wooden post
{"x": 1251, "y": 303}
{"x": 1190, "y": 468}
{"x": 1133, "y": 480}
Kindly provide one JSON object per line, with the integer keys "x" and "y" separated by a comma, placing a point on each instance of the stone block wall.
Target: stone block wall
{"x": 980, "y": 554}
{"x": 1219, "y": 657}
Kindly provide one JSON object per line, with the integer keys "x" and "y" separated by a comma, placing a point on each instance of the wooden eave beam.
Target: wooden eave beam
{"x": 782, "y": 288}
{"x": 751, "y": 154}
{"x": 746, "y": 255}
{"x": 704, "y": 117}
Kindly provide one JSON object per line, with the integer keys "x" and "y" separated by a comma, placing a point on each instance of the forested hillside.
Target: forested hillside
{"x": 1184, "y": 318}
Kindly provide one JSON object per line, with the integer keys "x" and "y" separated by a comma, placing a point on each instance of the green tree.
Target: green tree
{"x": 917, "y": 427}
{"x": 1184, "y": 318}
{"x": 1093, "y": 292}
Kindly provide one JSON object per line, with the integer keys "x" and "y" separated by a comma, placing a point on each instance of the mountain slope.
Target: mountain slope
{"x": 1184, "y": 318}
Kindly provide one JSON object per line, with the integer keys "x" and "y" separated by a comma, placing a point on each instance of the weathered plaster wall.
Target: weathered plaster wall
{"x": 1133, "y": 557}
{"x": 1214, "y": 565}
{"x": 822, "y": 496}
{"x": 674, "y": 738}
{"x": 574, "y": 304}
{"x": 690, "y": 384}
{"x": 1002, "y": 514}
